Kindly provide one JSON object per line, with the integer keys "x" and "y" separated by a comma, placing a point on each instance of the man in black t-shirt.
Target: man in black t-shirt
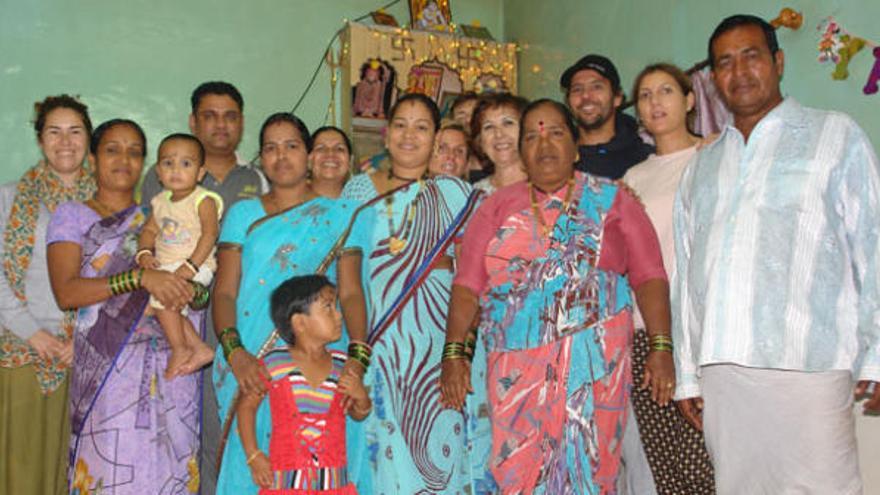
{"x": 609, "y": 142}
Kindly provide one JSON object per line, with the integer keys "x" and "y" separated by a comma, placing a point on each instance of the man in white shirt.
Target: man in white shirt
{"x": 776, "y": 299}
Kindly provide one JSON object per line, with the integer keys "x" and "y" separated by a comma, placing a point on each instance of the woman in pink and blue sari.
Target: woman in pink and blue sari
{"x": 549, "y": 263}
{"x": 133, "y": 431}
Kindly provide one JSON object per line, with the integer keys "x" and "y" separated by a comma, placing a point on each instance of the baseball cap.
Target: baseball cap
{"x": 594, "y": 62}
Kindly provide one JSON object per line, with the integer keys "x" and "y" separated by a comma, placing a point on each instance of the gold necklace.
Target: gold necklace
{"x": 396, "y": 244}
{"x": 539, "y": 217}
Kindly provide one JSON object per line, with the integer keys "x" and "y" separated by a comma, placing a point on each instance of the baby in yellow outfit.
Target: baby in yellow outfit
{"x": 179, "y": 237}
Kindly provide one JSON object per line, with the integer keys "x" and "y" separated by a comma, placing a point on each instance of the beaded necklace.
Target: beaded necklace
{"x": 539, "y": 217}
{"x": 396, "y": 244}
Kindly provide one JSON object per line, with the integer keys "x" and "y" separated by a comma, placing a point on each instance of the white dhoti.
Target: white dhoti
{"x": 778, "y": 432}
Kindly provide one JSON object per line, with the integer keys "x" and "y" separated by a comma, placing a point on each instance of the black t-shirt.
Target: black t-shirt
{"x": 615, "y": 157}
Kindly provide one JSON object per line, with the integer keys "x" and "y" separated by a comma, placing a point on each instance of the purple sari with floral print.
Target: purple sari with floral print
{"x": 132, "y": 431}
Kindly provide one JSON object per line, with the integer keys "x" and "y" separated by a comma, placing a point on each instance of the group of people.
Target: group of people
{"x": 489, "y": 312}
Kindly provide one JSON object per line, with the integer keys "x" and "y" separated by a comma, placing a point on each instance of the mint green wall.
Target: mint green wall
{"x": 634, "y": 33}
{"x": 141, "y": 60}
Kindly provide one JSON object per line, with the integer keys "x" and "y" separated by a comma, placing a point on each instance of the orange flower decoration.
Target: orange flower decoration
{"x": 82, "y": 481}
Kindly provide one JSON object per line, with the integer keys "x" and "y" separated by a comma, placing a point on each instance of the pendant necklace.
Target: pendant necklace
{"x": 396, "y": 244}
{"x": 539, "y": 217}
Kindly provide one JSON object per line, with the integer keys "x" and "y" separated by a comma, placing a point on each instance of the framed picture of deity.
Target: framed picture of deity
{"x": 426, "y": 79}
{"x": 430, "y": 14}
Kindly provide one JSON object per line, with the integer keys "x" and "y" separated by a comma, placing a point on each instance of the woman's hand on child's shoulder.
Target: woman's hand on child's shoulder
{"x": 261, "y": 471}
{"x": 352, "y": 385}
{"x": 356, "y": 400}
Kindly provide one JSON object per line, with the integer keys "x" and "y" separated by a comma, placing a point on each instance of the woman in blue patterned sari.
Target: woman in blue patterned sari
{"x": 414, "y": 444}
{"x": 265, "y": 241}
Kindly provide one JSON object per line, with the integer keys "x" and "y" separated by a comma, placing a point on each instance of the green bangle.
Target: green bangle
{"x": 127, "y": 281}
{"x": 128, "y": 278}
{"x": 230, "y": 345}
{"x": 201, "y": 296}
{"x": 365, "y": 362}
{"x": 228, "y": 330}
{"x": 115, "y": 288}
{"x": 361, "y": 352}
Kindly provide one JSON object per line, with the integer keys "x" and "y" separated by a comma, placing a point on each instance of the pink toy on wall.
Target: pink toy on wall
{"x": 839, "y": 47}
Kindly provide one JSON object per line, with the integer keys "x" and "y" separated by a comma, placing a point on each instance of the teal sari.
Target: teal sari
{"x": 274, "y": 248}
{"x": 414, "y": 444}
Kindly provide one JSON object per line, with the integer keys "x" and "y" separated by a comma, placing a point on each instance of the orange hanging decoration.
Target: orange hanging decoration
{"x": 789, "y": 18}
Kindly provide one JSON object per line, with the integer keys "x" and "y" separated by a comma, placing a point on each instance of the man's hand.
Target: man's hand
{"x": 871, "y": 391}
{"x": 692, "y": 410}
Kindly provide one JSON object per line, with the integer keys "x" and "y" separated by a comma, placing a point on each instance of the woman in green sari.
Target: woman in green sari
{"x": 263, "y": 242}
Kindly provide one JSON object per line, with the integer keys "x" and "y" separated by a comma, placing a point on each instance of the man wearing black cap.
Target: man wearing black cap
{"x": 609, "y": 143}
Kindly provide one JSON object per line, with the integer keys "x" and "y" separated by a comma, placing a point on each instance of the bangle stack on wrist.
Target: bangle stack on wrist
{"x": 230, "y": 341}
{"x": 201, "y": 298}
{"x": 124, "y": 282}
{"x": 660, "y": 343}
{"x": 361, "y": 352}
{"x": 455, "y": 350}
{"x": 470, "y": 347}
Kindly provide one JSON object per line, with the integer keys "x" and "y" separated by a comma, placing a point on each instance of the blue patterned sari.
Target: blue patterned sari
{"x": 274, "y": 248}
{"x": 414, "y": 445}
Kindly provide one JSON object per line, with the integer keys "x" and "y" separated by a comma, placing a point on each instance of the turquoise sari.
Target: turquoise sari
{"x": 274, "y": 248}
{"x": 414, "y": 444}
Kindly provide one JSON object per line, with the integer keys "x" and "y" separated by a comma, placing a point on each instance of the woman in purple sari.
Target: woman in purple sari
{"x": 132, "y": 431}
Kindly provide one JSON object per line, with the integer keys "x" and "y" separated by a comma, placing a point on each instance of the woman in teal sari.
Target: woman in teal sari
{"x": 414, "y": 444}
{"x": 264, "y": 241}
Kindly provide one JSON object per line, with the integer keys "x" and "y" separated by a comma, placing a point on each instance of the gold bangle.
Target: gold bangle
{"x": 253, "y": 457}
{"x": 451, "y": 357}
{"x": 229, "y": 356}
{"x": 661, "y": 348}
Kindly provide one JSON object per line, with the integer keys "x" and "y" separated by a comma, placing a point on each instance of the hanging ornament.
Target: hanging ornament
{"x": 851, "y": 46}
{"x": 874, "y": 77}
{"x": 789, "y": 18}
{"x": 838, "y": 47}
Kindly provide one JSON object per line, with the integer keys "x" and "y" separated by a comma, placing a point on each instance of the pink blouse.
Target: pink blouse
{"x": 629, "y": 243}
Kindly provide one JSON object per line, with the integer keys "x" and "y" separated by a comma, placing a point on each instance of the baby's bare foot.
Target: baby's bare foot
{"x": 176, "y": 362}
{"x": 201, "y": 356}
